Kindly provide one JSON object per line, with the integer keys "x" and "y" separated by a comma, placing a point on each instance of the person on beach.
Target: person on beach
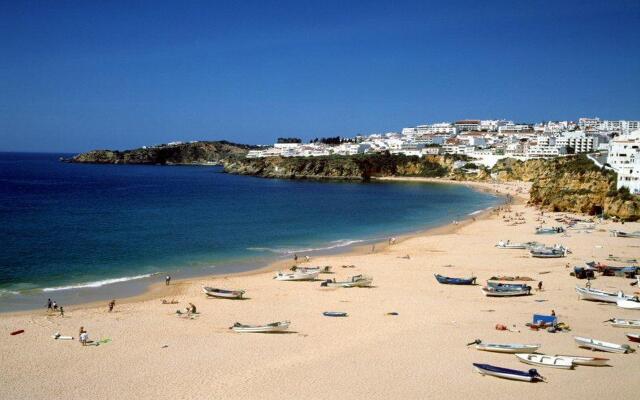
{"x": 112, "y": 304}
{"x": 61, "y": 311}
{"x": 49, "y": 305}
{"x": 167, "y": 280}
{"x": 55, "y": 305}
{"x": 191, "y": 309}
{"x": 82, "y": 336}
{"x": 295, "y": 257}
{"x": 540, "y": 285}
{"x": 553, "y": 313}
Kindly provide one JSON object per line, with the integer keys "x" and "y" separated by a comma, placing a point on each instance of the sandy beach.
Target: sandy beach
{"x": 419, "y": 353}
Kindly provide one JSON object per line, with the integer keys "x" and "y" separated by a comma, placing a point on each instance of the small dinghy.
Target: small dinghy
{"x": 548, "y": 252}
{"x": 354, "y": 281}
{"x": 273, "y": 327}
{"x": 445, "y": 280}
{"x": 631, "y": 304}
{"x": 322, "y": 270}
{"x": 599, "y": 295}
{"x": 297, "y": 276}
{"x": 545, "y": 361}
{"x": 634, "y": 337}
{"x": 515, "y": 246}
{"x": 625, "y": 323}
{"x": 506, "y": 373}
{"x": 504, "y": 292}
{"x": 586, "y": 361}
{"x": 595, "y": 344}
{"x": 549, "y": 231}
{"x": 510, "y": 348}
{"x": 222, "y": 293}
{"x": 334, "y": 314}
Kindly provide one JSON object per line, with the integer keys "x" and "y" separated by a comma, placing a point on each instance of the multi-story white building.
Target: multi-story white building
{"x": 579, "y": 141}
{"x": 467, "y": 125}
{"x": 624, "y": 158}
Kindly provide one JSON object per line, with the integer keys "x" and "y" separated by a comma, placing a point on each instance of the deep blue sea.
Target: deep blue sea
{"x": 72, "y": 230}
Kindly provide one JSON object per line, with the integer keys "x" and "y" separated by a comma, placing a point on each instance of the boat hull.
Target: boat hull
{"x": 270, "y": 328}
{"x": 586, "y": 361}
{"x": 507, "y": 348}
{"x": 223, "y": 294}
{"x": 505, "y": 373}
{"x": 595, "y": 344}
{"x": 545, "y": 361}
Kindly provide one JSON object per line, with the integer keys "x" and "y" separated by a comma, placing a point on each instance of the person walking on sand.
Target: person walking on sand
{"x": 112, "y": 304}
{"x": 49, "y": 305}
{"x": 295, "y": 257}
{"x": 61, "y": 311}
{"x": 82, "y": 336}
{"x": 540, "y": 285}
{"x": 167, "y": 280}
{"x": 55, "y": 305}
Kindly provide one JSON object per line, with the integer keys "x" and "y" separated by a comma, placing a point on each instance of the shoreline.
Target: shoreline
{"x": 158, "y": 290}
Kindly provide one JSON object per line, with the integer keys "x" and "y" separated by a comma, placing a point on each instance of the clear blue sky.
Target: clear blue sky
{"x": 81, "y": 75}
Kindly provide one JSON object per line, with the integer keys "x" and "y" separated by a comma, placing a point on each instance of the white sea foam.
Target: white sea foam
{"x": 97, "y": 284}
{"x": 333, "y": 245}
{"x": 4, "y": 292}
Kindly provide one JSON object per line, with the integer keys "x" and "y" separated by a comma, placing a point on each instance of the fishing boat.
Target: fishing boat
{"x": 632, "y": 303}
{"x": 507, "y": 286}
{"x": 586, "y": 361}
{"x": 510, "y": 348}
{"x": 548, "y": 231}
{"x": 595, "y": 344}
{"x": 297, "y": 276}
{"x": 625, "y": 323}
{"x": 548, "y": 252}
{"x": 545, "y": 361}
{"x": 519, "y": 246}
{"x": 634, "y": 337}
{"x": 455, "y": 281}
{"x": 622, "y": 234}
{"x": 322, "y": 270}
{"x": 273, "y": 327}
{"x": 222, "y": 293}
{"x": 355, "y": 281}
{"x": 334, "y": 314}
{"x": 506, "y": 373}
{"x": 599, "y": 295}
{"x": 498, "y": 292}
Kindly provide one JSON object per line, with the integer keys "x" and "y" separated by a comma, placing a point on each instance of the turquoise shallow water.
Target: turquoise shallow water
{"x": 78, "y": 229}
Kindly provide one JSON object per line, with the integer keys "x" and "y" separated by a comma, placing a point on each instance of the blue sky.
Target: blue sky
{"x": 81, "y": 75}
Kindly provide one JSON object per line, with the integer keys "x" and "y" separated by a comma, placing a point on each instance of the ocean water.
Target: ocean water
{"x": 79, "y": 231}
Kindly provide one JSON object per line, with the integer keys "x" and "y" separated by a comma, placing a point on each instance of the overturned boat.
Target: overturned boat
{"x": 222, "y": 293}
{"x": 273, "y": 327}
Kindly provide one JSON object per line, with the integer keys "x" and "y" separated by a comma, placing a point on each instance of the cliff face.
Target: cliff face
{"x": 572, "y": 184}
{"x": 187, "y": 153}
{"x": 357, "y": 167}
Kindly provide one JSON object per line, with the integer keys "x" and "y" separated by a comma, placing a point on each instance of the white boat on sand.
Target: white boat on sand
{"x": 355, "y": 281}
{"x": 273, "y": 327}
{"x": 510, "y": 348}
{"x": 515, "y": 246}
{"x": 595, "y": 344}
{"x": 498, "y": 292}
{"x": 222, "y": 293}
{"x": 625, "y": 323}
{"x": 545, "y": 361}
{"x": 631, "y": 303}
{"x": 586, "y": 361}
{"x": 599, "y": 295}
{"x": 297, "y": 276}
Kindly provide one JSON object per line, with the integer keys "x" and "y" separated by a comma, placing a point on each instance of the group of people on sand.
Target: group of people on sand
{"x": 52, "y": 305}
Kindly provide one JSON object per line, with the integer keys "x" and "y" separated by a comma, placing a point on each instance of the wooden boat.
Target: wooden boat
{"x": 507, "y": 286}
{"x": 510, "y": 348}
{"x": 496, "y": 292}
{"x": 515, "y": 246}
{"x": 297, "y": 276}
{"x": 622, "y": 234}
{"x": 545, "y": 361}
{"x": 547, "y": 231}
{"x": 625, "y": 323}
{"x": 273, "y": 327}
{"x": 506, "y": 373}
{"x": 599, "y": 295}
{"x": 222, "y": 293}
{"x": 634, "y": 337}
{"x": 355, "y": 281}
{"x": 334, "y": 314}
{"x": 445, "y": 280}
{"x": 632, "y": 303}
{"x": 322, "y": 270}
{"x": 548, "y": 252}
{"x": 595, "y": 344}
{"x": 586, "y": 361}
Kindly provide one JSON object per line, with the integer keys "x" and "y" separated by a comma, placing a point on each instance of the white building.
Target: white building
{"x": 467, "y": 125}
{"x": 579, "y": 140}
{"x": 624, "y": 158}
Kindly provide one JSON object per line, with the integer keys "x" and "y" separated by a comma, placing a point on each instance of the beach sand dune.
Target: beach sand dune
{"x": 419, "y": 353}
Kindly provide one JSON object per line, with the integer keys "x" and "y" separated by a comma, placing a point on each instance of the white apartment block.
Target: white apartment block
{"x": 467, "y": 125}
{"x": 624, "y": 158}
{"x": 579, "y": 140}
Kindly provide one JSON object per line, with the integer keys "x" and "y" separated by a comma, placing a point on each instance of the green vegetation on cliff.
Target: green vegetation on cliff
{"x": 185, "y": 153}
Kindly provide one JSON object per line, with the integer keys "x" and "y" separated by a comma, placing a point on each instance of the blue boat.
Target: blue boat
{"x": 334, "y": 314}
{"x": 455, "y": 281}
{"x": 506, "y": 373}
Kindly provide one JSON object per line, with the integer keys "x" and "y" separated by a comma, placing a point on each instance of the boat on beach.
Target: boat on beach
{"x": 634, "y": 337}
{"x": 595, "y": 344}
{"x": 445, "y": 280}
{"x": 515, "y": 246}
{"x": 507, "y": 373}
{"x": 625, "y": 323}
{"x": 297, "y": 276}
{"x": 506, "y": 292}
{"x": 549, "y": 231}
{"x": 599, "y": 295}
{"x": 273, "y": 327}
{"x": 632, "y": 303}
{"x": 355, "y": 281}
{"x": 334, "y": 314}
{"x": 321, "y": 270}
{"x": 510, "y": 348}
{"x": 222, "y": 293}
{"x": 545, "y": 361}
{"x": 586, "y": 361}
{"x": 556, "y": 251}
{"x": 622, "y": 234}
